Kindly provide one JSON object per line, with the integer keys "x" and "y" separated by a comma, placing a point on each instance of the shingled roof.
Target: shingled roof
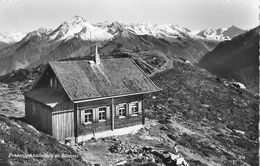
{"x": 113, "y": 77}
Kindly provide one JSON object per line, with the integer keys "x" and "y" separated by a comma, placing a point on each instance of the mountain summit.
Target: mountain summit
{"x": 221, "y": 33}
{"x": 79, "y": 27}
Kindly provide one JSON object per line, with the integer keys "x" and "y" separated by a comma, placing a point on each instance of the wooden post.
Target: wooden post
{"x": 143, "y": 116}
{"x": 112, "y": 114}
{"x": 76, "y": 122}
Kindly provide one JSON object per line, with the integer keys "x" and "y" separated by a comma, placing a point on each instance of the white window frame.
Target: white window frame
{"x": 88, "y": 112}
{"x": 103, "y": 111}
{"x": 124, "y": 106}
{"x": 135, "y": 105}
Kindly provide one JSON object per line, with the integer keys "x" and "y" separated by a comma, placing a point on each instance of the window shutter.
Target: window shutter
{"x": 108, "y": 112}
{"x": 55, "y": 82}
{"x": 82, "y": 116}
{"x": 117, "y": 110}
{"x": 140, "y": 106}
{"x": 51, "y": 82}
{"x": 127, "y": 110}
{"x": 130, "y": 109}
{"x": 95, "y": 115}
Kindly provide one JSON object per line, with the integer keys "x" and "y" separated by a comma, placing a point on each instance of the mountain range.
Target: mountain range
{"x": 221, "y": 34}
{"x": 8, "y": 38}
{"x": 72, "y": 39}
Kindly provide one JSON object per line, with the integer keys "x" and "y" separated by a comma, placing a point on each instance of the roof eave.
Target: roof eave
{"x": 115, "y": 96}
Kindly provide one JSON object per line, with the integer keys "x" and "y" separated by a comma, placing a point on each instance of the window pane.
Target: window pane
{"x": 135, "y": 107}
{"x": 102, "y": 113}
{"x": 122, "y": 110}
{"x": 88, "y": 116}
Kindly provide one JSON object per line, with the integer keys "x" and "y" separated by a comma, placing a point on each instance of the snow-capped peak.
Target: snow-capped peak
{"x": 11, "y": 37}
{"x": 165, "y": 30}
{"x": 79, "y": 27}
{"x": 40, "y": 32}
{"x": 77, "y": 20}
{"x": 221, "y": 33}
{"x": 213, "y": 34}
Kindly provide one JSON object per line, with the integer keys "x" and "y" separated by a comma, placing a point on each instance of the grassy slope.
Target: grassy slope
{"x": 211, "y": 112}
{"x": 19, "y": 138}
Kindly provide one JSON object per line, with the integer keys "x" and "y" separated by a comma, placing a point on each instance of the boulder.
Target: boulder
{"x": 122, "y": 162}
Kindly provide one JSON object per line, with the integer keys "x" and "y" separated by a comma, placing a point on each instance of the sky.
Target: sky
{"x": 29, "y": 15}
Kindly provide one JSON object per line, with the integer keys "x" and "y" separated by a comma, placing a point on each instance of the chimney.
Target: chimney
{"x": 97, "y": 57}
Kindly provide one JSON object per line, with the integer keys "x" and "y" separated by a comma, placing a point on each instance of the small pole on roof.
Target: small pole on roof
{"x": 97, "y": 57}
{"x": 90, "y": 42}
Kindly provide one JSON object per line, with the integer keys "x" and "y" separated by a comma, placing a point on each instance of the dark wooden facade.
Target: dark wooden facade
{"x": 61, "y": 123}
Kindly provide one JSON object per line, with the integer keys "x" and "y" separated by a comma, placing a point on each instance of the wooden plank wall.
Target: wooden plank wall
{"x": 38, "y": 115}
{"x": 63, "y": 121}
{"x": 63, "y": 117}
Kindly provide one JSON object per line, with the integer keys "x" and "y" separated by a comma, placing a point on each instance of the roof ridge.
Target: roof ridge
{"x": 145, "y": 74}
{"x": 79, "y": 60}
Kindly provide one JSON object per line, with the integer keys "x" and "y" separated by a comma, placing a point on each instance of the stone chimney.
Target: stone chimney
{"x": 97, "y": 57}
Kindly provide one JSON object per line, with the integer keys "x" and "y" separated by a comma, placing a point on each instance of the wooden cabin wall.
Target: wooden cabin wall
{"x": 130, "y": 119}
{"x": 63, "y": 121}
{"x": 99, "y": 126}
{"x": 38, "y": 115}
{"x": 96, "y": 126}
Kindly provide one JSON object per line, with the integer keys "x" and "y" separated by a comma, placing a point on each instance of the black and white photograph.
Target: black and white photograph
{"x": 129, "y": 82}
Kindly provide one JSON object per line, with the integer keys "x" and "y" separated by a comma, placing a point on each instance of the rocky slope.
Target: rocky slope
{"x": 218, "y": 123}
{"x": 22, "y": 144}
{"x": 236, "y": 59}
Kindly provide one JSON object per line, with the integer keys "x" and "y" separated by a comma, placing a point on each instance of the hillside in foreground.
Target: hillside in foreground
{"x": 212, "y": 122}
{"x": 22, "y": 144}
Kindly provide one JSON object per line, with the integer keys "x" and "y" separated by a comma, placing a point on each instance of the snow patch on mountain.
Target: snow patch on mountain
{"x": 220, "y": 33}
{"x": 79, "y": 27}
{"x": 11, "y": 37}
{"x": 160, "y": 31}
{"x": 213, "y": 34}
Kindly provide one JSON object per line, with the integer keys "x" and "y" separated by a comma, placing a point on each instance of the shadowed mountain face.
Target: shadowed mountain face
{"x": 3, "y": 45}
{"x": 236, "y": 59}
{"x": 233, "y": 31}
{"x": 72, "y": 39}
{"x": 181, "y": 47}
